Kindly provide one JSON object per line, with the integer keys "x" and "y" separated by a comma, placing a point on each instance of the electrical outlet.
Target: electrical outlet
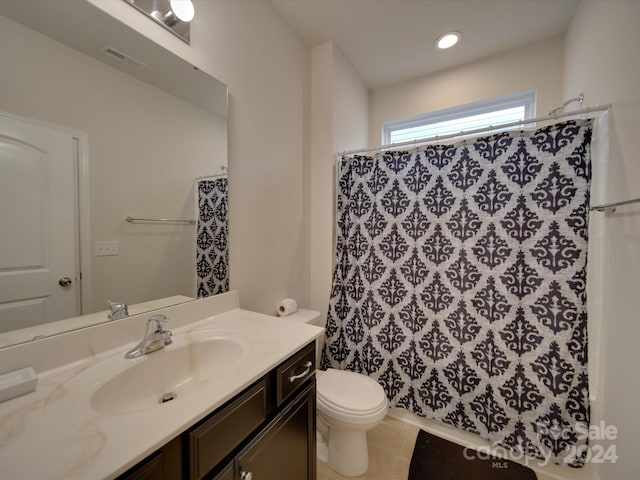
{"x": 104, "y": 248}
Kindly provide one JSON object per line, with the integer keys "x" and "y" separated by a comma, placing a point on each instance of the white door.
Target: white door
{"x": 38, "y": 224}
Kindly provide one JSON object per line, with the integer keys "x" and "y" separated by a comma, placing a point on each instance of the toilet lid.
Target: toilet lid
{"x": 350, "y": 392}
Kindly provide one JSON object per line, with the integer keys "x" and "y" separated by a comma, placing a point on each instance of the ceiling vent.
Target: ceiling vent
{"x": 117, "y": 55}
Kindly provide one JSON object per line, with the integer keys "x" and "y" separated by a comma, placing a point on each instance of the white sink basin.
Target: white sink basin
{"x": 119, "y": 385}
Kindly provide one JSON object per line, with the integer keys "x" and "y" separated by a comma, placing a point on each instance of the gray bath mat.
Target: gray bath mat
{"x": 437, "y": 459}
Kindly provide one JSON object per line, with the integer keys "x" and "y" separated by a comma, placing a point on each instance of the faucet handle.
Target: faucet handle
{"x": 159, "y": 320}
{"x": 113, "y": 306}
{"x": 118, "y": 310}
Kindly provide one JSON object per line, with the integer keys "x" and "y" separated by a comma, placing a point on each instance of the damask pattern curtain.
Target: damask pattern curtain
{"x": 212, "y": 237}
{"x": 460, "y": 284}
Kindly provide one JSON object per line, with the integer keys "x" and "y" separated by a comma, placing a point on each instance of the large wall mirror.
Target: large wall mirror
{"x": 142, "y": 138}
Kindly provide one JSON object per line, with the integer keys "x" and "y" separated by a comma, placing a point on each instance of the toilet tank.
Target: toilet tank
{"x": 303, "y": 315}
{"x": 310, "y": 317}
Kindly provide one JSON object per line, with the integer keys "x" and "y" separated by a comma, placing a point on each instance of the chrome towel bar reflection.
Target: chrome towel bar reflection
{"x": 611, "y": 207}
{"x": 167, "y": 221}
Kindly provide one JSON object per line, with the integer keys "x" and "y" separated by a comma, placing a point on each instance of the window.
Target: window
{"x": 494, "y": 112}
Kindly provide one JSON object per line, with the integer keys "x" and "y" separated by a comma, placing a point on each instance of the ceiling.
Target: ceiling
{"x": 392, "y": 40}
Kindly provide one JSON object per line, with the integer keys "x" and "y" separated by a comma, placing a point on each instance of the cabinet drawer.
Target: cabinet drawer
{"x": 294, "y": 372}
{"x": 212, "y": 441}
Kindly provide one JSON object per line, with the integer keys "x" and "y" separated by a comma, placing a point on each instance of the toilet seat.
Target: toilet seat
{"x": 347, "y": 394}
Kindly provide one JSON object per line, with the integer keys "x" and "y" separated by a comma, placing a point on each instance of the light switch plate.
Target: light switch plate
{"x": 106, "y": 248}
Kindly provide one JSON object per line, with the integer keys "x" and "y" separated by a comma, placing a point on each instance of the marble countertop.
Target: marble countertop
{"x": 53, "y": 433}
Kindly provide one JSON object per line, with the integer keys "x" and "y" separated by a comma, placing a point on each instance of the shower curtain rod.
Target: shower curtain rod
{"x": 599, "y": 108}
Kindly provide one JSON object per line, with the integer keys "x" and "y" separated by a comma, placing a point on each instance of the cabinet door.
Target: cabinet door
{"x": 226, "y": 474}
{"x": 286, "y": 448}
{"x": 217, "y": 437}
{"x": 166, "y": 463}
{"x": 149, "y": 470}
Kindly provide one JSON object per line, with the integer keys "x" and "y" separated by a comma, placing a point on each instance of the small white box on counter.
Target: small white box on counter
{"x": 16, "y": 383}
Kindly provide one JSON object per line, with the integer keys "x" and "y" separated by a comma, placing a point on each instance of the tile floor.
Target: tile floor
{"x": 390, "y": 448}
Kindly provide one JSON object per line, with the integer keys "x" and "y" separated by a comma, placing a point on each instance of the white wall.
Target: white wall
{"x": 247, "y": 45}
{"x": 350, "y": 105}
{"x": 602, "y": 61}
{"x": 321, "y": 175}
{"x": 339, "y": 117}
{"x": 145, "y": 149}
{"x": 534, "y": 67}
{"x": 264, "y": 64}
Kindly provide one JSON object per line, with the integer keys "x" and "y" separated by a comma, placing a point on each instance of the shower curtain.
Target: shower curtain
{"x": 212, "y": 237}
{"x": 460, "y": 284}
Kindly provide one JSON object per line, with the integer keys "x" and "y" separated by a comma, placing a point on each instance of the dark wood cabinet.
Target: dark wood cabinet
{"x": 286, "y": 448}
{"x": 226, "y": 474}
{"x": 266, "y": 432}
{"x": 150, "y": 469}
{"x": 218, "y": 436}
{"x": 164, "y": 464}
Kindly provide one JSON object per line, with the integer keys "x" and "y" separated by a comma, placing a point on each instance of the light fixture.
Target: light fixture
{"x": 174, "y": 15}
{"x": 448, "y": 40}
{"x": 179, "y": 11}
{"x": 183, "y": 9}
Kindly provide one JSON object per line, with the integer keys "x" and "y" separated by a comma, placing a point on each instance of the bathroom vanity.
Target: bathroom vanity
{"x": 240, "y": 400}
{"x": 267, "y": 431}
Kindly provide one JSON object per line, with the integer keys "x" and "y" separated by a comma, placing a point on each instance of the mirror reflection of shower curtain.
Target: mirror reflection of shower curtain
{"x": 460, "y": 284}
{"x": 212, "y": 237}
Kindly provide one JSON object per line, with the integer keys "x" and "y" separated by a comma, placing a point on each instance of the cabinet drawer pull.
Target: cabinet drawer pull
{"x": 307, "y": 368}
{"x": 246, "y": 475}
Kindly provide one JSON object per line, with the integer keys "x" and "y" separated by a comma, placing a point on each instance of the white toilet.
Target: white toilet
{"x": 349, "y": 404}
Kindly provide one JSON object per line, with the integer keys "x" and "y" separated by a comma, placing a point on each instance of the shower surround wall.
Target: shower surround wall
{"x": 460, "y": 284}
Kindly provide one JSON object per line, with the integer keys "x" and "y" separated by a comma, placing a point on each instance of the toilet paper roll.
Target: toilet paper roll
{"x": 287, "y": 307}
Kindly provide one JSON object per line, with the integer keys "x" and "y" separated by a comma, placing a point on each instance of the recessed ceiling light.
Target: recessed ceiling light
{"x": 448, "y": 40}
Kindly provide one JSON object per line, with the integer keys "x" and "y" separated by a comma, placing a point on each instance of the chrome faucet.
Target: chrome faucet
{"x": 155, "y": 337}
{"x": 118, "y": 310}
